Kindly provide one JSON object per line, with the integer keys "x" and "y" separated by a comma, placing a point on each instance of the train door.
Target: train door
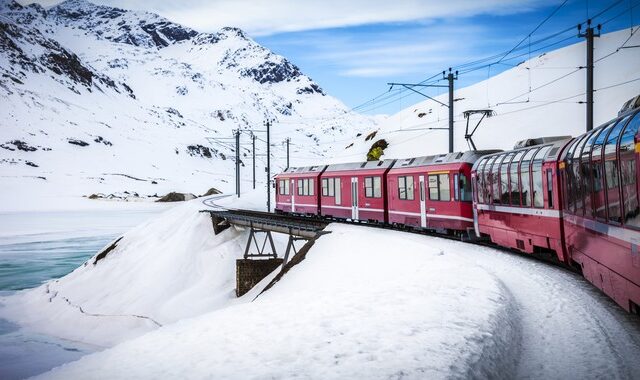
{"x": 423, "y": 205}
{"x": 354, "y": 198}
{"x": 293, "y": 194}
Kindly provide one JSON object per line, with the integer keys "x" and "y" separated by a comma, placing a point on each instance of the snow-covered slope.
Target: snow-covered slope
{"x": 551, "y": 108}
{"x": 102, "y": 100}
{"x": 364, "y": 303}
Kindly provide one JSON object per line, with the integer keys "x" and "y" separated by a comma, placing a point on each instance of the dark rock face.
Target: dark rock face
{"x": 173, "y": 111}
{"x": 77, "y": 142}
{"x": 70, "y": 65}
{"x": 311, "y": 89}
{"x": 19, "y": 145}
{"x": 272, "y": 72}
{"x": 101, "y": 139}
{"x": 176, "y": 197}
{"x": 164, "y": 33}
{"x": 211, "y": 191}
{"x": 119, "y": 25}
{"x": 200, "y": 150}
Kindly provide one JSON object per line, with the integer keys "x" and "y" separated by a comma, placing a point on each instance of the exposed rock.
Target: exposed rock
{"x": 211, "y": 191}
{"x": 200, "y": 150}
{"x": 311, "y": 89}
{"x": 371, "y": 135}
{"x": 77, "y": 142}
{"x": 177, "y": 197}
{"x": 100, "y": 139}
{"x": 273, "y": 72}
{"x": 19, "y": 145}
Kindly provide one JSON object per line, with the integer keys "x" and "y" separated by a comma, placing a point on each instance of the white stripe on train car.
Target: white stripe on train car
{"x": 371, "y": 209}
{"x": 520, "y": 210}
{"x": 434, "y": 216}
{"x": 624, "y": 234}
{"x": 338, "y": 207}
{"x": 404, "y": 213}
{"x": 455, "y": 217}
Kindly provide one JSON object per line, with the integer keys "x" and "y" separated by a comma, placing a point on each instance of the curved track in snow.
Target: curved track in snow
{"x": 568, "y": 328}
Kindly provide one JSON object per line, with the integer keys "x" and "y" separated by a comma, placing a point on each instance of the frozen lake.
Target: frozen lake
{"x": 39, "y": 246}
{"x": 35, "y": 247}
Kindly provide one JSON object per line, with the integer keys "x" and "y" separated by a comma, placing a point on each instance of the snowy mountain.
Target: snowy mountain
{"x": 542, "y": 96}
{"x": 104, "y": 100}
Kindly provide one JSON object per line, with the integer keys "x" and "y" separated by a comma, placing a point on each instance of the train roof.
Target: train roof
{"x": 304, "y": 169}
{"x": 364, "y": 165}
{"x": 552, "y": 155}
{"x": 469, "y": 156}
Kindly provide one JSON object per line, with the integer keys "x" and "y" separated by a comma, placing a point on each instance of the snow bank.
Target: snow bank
{"x": 164, "y": 270}
{"x": 365, "y": 303}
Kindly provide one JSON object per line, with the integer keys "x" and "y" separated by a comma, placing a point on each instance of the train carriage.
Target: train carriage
{"x": 355, "y": 191}
{"x": 517, "y": 200}
{"x": 433, "y": 192}
{"x": 599, "y": 178}
{"x": 298, "y": 189}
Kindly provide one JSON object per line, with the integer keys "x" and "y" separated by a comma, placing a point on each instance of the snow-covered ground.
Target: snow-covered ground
{"x": 365, "y": 303}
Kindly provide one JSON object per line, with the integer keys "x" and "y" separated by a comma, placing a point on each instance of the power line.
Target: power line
{"x": 534, "y": 30}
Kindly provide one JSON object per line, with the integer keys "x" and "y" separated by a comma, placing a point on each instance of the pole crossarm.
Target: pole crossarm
{"x": 409, "y": 86}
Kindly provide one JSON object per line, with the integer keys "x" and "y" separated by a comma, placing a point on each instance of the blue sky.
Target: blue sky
{"x": 353, "y": 48}
{"x": 355, "y": 63}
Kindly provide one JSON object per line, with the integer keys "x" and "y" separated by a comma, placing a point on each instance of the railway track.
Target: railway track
{"x": 292, "y": 218}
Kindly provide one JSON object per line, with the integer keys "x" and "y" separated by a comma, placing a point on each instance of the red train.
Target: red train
{"x": 575, "y": 200}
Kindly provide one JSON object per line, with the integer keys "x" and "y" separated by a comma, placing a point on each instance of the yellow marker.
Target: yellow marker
{"x": 637, "y": 147}
{"x": 562, "y": 164}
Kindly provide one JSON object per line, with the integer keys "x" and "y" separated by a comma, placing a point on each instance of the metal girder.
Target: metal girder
{"x": 261, "y": 249}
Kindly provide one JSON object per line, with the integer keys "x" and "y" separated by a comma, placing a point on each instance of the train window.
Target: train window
{"x": 372, "y": 187}
{"x": 611, "y": 175}
{"x": 525, "y": 177}
{"x": 456, "y": 186}
{"x": 629, "y": 173}
{"x": 305, "y": 186}
{"x": 337, "y": 190}
{"x": 495, "y": 175}
{"x": 405, "y": 188}
{"x": 465, "y": 188}
{"x": 504, "y": 179}
{"x": 536, "y": 175}
{"x": 325, "y": 187}
{"x": 488, "y": 179}
{"x": 597, "y": 168}
{"x": 514, "y": 188}
{"x": 568, "y": 175}
{"x": 284, "y": 186}
{"x": 550, "y": 187}
{"x": 579, "y": 170}
{"x": 439, "y": 187}
{"x": 588, "y": 169}
{"x": 480, "y": 180}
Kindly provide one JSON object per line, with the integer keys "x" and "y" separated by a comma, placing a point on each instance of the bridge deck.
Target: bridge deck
{"x": 287, "y": 224}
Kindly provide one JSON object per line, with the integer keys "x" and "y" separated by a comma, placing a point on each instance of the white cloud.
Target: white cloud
{"x": 266, "y": 17}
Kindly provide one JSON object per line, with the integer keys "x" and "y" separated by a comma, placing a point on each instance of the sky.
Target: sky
{"x": 354, "y": 48}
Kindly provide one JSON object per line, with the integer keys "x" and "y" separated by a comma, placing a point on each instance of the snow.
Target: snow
{"x": 371, "y": 303}
{"x": 145, "y": 144}
{"x": 166, "y": 269}
{"x": 365, "y": 302}
{"x": 338, "y": 314}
